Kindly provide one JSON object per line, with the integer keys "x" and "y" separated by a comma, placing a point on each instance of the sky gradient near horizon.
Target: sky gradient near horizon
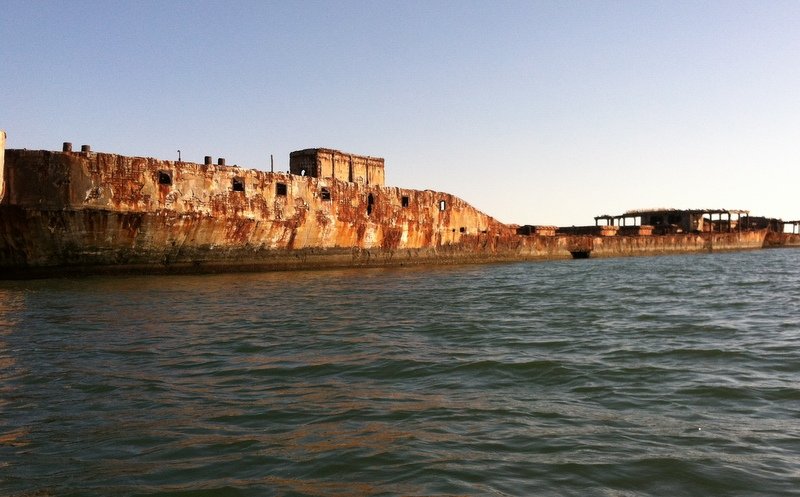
{"x": 536, "y": 112}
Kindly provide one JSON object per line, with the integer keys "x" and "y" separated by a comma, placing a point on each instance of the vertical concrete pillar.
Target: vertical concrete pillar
{"x": 350, "y": 170}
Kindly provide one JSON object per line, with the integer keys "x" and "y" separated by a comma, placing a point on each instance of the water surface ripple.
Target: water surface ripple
{"x": 659, "y": 376}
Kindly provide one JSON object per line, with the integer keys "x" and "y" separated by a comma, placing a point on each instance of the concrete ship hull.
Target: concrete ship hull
{"x": 85, "y": 212}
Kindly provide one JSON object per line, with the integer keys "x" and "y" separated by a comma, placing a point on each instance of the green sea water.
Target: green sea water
{"x": 653, "y": 376}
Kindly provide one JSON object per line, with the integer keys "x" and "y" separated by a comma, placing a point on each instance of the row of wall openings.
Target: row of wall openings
{"x": 281, "y": 191}
{"x": 165, "y": 178}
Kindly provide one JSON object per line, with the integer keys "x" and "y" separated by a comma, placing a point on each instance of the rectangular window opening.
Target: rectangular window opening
{"x": 370, "y": 204}
{"x": 238, "y": 184}
{"x": 280, "y": 189}
{"x": 404, "y": 201}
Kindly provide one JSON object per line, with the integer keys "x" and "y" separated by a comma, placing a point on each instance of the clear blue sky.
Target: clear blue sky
{"x": 535, "y": 112}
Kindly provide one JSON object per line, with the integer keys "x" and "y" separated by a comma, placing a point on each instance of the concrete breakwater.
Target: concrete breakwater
{"x": 72, "y": 212}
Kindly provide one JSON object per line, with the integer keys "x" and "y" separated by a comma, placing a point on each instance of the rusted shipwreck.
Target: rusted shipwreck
{"x": 77, "y": 212}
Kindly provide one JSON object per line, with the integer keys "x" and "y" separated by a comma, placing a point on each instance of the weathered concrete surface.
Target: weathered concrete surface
{"x": 782, "y": 239}
{"x": 2, "y": 164}
{"x": 85, "y": 209}
{"x": 76, "y": 212}
{"x": 327, "y": 163}
{"x": 678, "y": 243}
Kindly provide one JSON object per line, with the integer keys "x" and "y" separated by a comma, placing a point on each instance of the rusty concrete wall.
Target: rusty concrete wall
{"x": 349, "y": 167}
{"x": 366, "y": 170}
{"x": 147, "y": 210}
{"x": 776, "y": 239}
{"x": 683, "y": 243}
{"x": 790, "y": 239}
{"x": 75, "y": 212}
{"x": 327, "y": 163}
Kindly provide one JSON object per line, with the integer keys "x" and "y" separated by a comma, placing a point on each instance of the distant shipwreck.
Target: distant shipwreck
{"x": 69, "y": 212}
